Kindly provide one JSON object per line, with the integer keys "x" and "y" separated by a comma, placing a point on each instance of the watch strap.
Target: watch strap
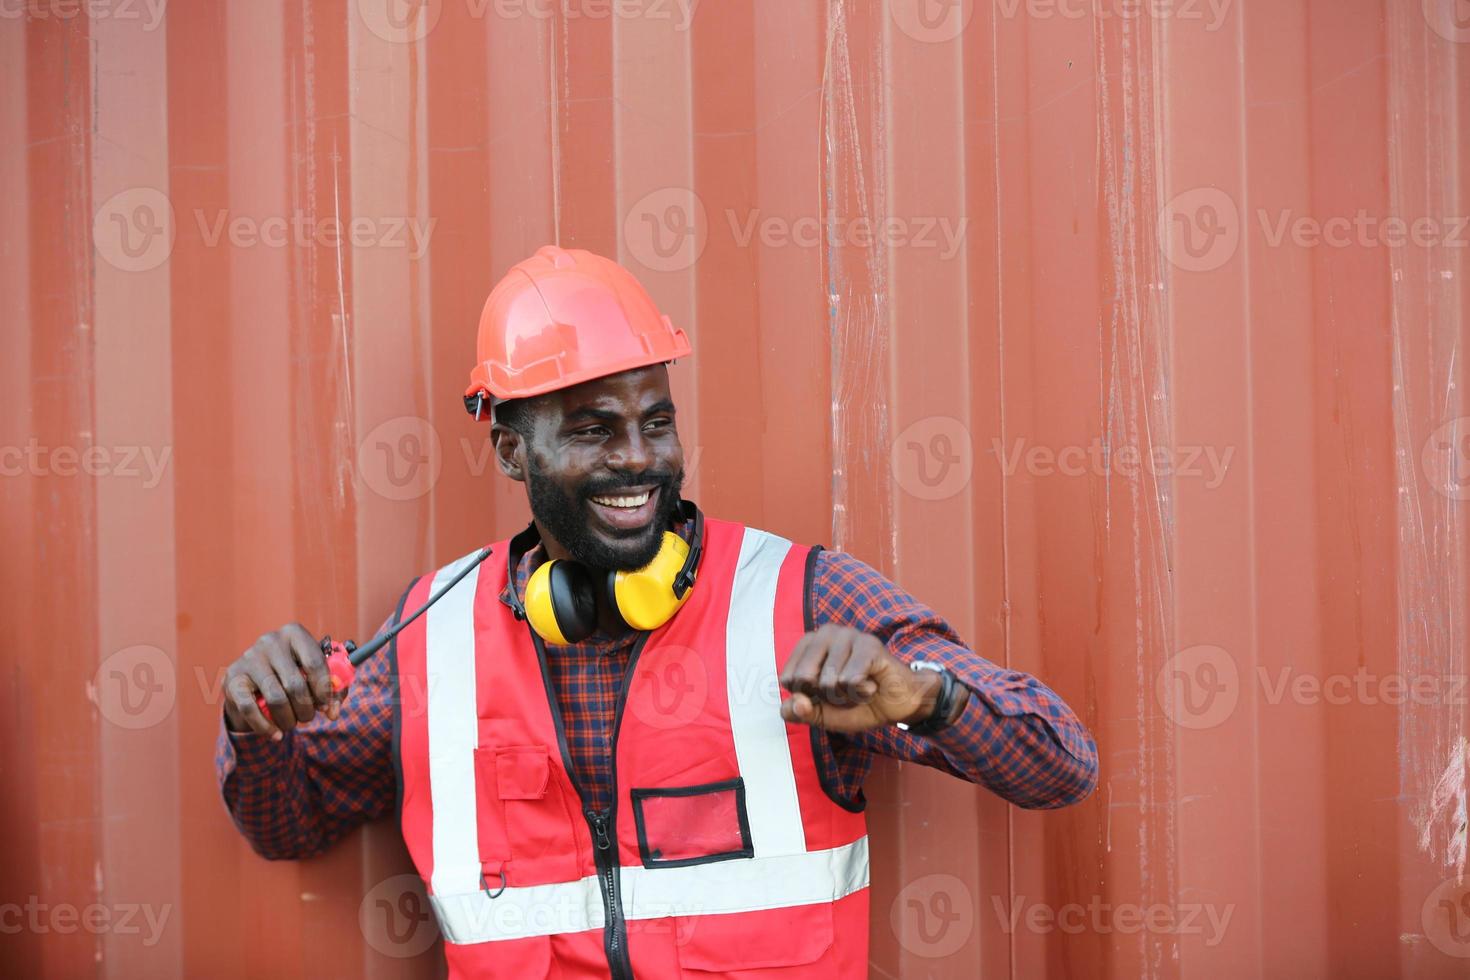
{"x": 938, "y": 719}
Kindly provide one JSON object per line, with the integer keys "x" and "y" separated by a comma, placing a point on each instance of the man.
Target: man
{"x": 630, "y": 741}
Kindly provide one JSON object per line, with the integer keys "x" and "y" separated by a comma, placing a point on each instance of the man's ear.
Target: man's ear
{"x": 510, "y": 451}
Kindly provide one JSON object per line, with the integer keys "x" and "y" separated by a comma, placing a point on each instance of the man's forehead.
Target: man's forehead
{"x": 636, "y": 389}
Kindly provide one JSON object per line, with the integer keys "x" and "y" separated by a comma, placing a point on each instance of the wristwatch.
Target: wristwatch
{"x": 938, "y": 719}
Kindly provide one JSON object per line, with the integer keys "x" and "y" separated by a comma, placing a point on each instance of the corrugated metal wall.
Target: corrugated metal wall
{"x": 1129, "y": 333}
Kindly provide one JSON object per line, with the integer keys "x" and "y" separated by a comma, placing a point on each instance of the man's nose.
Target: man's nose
{"x": 631, "y": 454}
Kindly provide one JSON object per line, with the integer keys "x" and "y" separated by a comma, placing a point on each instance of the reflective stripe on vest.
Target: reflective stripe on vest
{"x": 706, "y": 889}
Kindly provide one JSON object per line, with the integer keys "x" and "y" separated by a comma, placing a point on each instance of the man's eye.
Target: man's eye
{"x": 658, "y": 423}
{"x": 596, "y": 430}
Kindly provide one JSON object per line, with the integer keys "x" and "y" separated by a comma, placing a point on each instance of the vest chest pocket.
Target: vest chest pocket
{"x": 524, "y": 821}
{"x": 686, "y": 825}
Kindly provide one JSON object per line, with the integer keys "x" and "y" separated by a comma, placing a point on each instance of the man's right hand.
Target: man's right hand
{"x": 288, "y": 669}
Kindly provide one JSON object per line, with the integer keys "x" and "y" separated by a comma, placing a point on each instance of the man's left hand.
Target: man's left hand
{"x": 845, "y": 680}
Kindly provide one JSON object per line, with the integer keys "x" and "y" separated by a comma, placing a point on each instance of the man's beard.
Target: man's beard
{"x": 567, "y": 517}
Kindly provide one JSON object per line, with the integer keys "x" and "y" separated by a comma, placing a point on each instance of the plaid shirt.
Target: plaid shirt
{"x": 295, "y": 797}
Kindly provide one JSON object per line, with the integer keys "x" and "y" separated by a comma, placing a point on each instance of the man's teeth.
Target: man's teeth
{"x": 637, "y": 500}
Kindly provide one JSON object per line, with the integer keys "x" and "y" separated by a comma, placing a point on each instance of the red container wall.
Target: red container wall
{"x": 1130, "y": 335}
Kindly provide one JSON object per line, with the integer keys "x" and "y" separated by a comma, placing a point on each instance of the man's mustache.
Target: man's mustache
{"x": 603, "y": 488}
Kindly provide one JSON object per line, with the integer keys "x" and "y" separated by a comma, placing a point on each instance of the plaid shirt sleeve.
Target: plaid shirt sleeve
{"x": 295, "y": 797}
{"x": 1015, "y": 736}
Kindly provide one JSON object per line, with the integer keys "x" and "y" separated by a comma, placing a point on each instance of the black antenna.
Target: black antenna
{"x": 358, "y": 655}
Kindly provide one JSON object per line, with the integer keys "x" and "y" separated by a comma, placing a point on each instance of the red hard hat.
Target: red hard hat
{"x": 562, "y": 317}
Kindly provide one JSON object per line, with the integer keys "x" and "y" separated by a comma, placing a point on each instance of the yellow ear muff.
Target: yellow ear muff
{"x": 645, "y": 598}
{"x": 560, "y": 605}
{"x": 539, "y": 611}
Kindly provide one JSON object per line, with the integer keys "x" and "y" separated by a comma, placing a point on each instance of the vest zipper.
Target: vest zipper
{"x": 607, "y": 875}
{"x": 602, "y": 822}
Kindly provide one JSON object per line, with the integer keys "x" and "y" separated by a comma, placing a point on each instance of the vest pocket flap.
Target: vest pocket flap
{"x": 521, "y": 772}
{"x": 764, "y": 940}
{"x": 685, "y": 825}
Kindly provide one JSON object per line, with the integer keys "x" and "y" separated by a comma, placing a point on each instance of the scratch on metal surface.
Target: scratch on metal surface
{"x": 1443, "y": 825}
{"x": 341, "y": 279}
{"x": 1425, "y": 322}
{"x": 1134, "y": 409}
{"x": 554, "y": 97}
{"x": 858, "y": 296}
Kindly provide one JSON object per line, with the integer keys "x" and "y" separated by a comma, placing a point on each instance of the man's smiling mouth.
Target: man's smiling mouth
{"x": 627, "y": 509}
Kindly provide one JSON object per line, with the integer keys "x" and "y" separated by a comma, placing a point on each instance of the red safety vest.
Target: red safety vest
{"x": 722, "y": 853}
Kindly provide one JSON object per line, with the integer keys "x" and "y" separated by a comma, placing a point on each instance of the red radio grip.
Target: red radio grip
{"x": 338, "y": 666}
